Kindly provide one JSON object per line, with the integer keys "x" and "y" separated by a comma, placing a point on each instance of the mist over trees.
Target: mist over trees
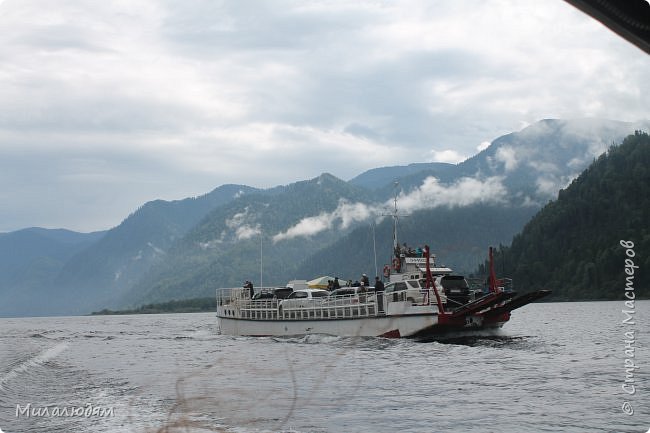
{"x": 573, "y": 245}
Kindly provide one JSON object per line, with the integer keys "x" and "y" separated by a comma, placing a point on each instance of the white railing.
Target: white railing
{"x": 237, "y": 303}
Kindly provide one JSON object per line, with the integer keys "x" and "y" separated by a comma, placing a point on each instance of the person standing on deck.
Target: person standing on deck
{"x": 379, "y": 293}
{"x": 249, "y": 285}
{"x": 379, "y": 285}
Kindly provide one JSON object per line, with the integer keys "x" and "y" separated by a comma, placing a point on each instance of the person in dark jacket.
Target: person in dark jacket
{"x": 379, "y": 293}
{"x": 249, "y": 285}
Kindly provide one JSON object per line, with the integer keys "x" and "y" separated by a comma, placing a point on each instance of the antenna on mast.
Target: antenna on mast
{"x": 374, "y": 247}
{"x": 395, "y": 216}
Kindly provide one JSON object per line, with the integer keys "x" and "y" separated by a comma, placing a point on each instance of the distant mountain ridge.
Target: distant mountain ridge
{"x": 19, "y": 248}
{"x": 145, "y": 235}
{"x": 30, "y": 259}
{"x": 99, "y": 271}
{"x": 377, "y": 178}
{"x": 550, "y": 152}
{"x": 187, "y": 248}
{"x": 231, "y": 234}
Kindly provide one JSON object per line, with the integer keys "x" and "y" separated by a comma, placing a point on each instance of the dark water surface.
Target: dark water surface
{"x": 555, "y": 367}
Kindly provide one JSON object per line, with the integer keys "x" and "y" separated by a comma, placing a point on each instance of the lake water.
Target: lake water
{"x": 555, "y": 367}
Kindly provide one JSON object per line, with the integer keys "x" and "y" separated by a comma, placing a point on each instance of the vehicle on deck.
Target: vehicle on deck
{"x": 303, "y": 298}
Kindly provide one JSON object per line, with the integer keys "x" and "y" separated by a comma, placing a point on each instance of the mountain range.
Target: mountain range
{"x": 187, "y": 248}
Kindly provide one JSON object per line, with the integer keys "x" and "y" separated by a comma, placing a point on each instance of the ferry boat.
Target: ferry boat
{"x": 420, "y": 299}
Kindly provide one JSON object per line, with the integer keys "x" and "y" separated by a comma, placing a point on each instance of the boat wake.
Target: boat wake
{"x": 30, "y": 363}
{"x": 309, "y": 339}
{"x": 497, "y": 341}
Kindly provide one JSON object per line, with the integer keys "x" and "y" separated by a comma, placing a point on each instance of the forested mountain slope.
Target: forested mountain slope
{"x": 572, "y": 245}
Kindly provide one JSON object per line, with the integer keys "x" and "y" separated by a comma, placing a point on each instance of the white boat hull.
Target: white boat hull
{"x": 386, "y": 326}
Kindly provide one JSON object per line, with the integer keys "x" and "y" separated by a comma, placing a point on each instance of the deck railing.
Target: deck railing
{"x": 237, "y": 303}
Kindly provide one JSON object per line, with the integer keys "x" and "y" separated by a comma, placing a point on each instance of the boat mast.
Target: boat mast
{"x": 261, "y": 260}
{"x": 374, "y": 247}
{"x": 395, "y": 218}
{"x": 395, "y": 214}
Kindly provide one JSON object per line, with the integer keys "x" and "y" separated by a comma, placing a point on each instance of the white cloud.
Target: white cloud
{"x": 549, "y": 184}
{"x": 507, "y": 156}
{"x": 546, "y": 186}
{"x": 243, "y": 224}
{"x": 484, "y": 145}
{"x": 530, "y": 202}
{"x": 212, "y": 244}
{"x": 449, "y": 155}
{"x": 306, "y": 227}
{"x": 430, "y": 194}
{"x": 464, "y": 192}
{"x": 350, "y": 213}
{"x": 344, "y": 216}
{"x": 238, "y": 219}
{"x": 168, "y": 100}
{"x": 247, "y": 232}
{"x": 545, "y": 166}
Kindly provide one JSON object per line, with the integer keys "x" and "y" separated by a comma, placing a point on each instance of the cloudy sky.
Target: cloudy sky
{"x": 105, "y": 105}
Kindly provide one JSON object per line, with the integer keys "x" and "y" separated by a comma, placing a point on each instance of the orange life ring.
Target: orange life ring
{"x": 386, "y": 271}
{"x": 396, "y": 264}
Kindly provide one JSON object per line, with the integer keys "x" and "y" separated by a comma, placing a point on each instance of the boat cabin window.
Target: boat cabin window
{"x": 322, "y": 294}
{"x": 296, "y": 295}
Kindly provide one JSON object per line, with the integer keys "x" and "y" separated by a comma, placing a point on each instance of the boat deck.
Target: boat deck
{"x": 235, "y": 303}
